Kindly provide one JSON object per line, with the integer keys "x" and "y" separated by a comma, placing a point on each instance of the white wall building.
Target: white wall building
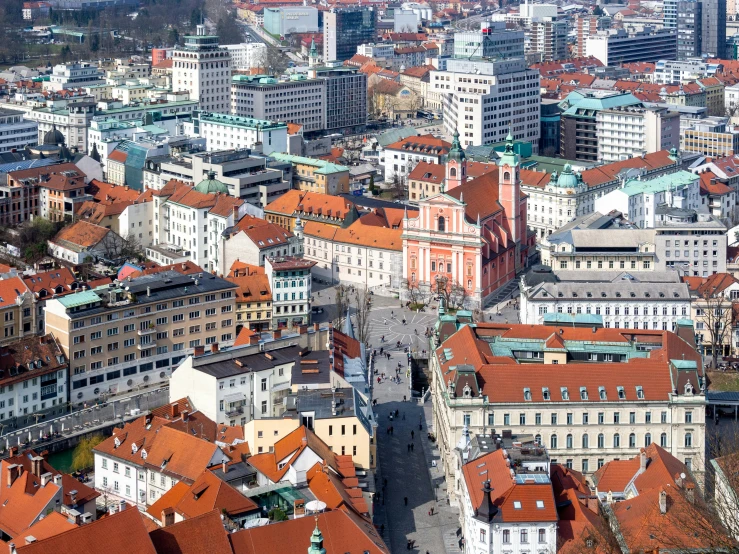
{"x": 246, "y": 55}
{"x": 674, "y": 72}
{"x": 204, "y": 70}
{"x": 290, "y": 281}
{"x": 75, "y": 75}
{"x": 222, "y": 131}
{"x": 16, "y": 132}
{"x": 405, "y": 21}
{"x": 485, "y": 100}
{"x": 616, "y": 46}
{"x": 629, "y": 131}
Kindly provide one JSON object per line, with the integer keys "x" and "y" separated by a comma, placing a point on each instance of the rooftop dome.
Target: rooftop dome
{"x": 567, "y": 179}
{"x": 54, "y": 137}
{"x": 211, "y": 185}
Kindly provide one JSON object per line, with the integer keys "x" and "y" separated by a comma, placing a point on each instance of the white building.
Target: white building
{"x": 619, "y": 300}
{"x": 616, "y": 46}
{"x": 628, "y": 131}
{"x": 253, "y": 240}
{"x": 405, "y": 21}
{"x": 377, "y": 51}
{"x": 290, "y": 280}
{"x": 402, "y": 156}
{"x": 617, "y": 394}
{"x": 204, "y": 70}
{"x": 246, "y": 55}
{"x": 235, "y": 386}
{"x": 492, "y": 42}
{"x": 224, "y": 131}
{"x": 674, "y": 72}
{"x": 505, "y": 497}
{"x": 74, "y": 75}
{"x": 365, "y": 256}
{"x": 424, "y": 11}
{"x": 640, "y": 200}
{"x": 486, "y": 100}
{"x": 15, "y": 131}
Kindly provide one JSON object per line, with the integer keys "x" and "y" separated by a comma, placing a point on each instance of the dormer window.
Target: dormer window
{"x": 545, "y": 393}
{"x": 565, "y": 393}
{"x": 639, "y": 392}
{"x": 516, "y": 505}
{"x": 621, "y": 393}
{"x": 602, "y": 393}
{"x": 527, "y": 394}
{"x": 688, "y": 388}
{"x": 583, "y": 393}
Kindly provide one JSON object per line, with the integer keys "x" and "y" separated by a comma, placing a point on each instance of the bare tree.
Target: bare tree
{"x": 715, "y": 313}
{"x": 343, "y": 300}
{"x": 362, "y": 304}
{"x": 414, "y": 294}
{"x": 452, "y": 292}
{"x": 271, "y": 60}
{"x": 115, "y": 247}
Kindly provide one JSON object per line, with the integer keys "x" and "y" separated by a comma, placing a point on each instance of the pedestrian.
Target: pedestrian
{"x": 432, "y": 510}
{"x": 408, "y": 545}
{"x": 412, "y": 434}
{"x": 404, "y": 401}
{"x": 405, "y": 499}
{"x": 412, "y": 446}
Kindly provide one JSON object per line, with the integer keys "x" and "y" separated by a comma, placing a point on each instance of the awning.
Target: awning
{"x": 235, "y": 397}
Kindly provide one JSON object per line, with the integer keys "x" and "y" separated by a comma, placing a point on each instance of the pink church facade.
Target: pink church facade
{"x": 473, "y": 235}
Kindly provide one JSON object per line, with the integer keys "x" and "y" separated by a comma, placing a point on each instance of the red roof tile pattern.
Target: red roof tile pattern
{"x": 81, "y": 234}
{"x": 108, "y": 192}
{"x": 24, "y": 500}
{"x": 204, "y": 534}
{"x": 296, "y": 202}
{"x": 57, "y": 281}
{"x": 261, "y": 232}
{"x": 710, "y": 185}
{"x": 422, "y": 144}
{"x": 121, "y": 533}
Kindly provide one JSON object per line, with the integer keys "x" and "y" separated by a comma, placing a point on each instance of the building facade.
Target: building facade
{"x": 346, "y": 28}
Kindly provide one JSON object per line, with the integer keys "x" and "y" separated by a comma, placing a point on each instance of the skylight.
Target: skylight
{"x": 540, "y": 504}
{"x": 516, "y": 505}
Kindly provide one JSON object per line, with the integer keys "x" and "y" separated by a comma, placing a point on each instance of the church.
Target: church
{"x": 472, "y": 236}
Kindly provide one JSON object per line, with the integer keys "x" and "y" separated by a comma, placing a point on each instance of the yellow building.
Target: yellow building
{"x": 711, "y": 137}
{"x": 714, "y": 90}
{"x": 316, "y": 175}
{"x": 253, "y": 297}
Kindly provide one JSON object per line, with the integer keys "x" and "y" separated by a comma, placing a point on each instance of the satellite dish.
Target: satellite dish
{"x": 682, "y": 476}
{"x": 315, "y": 506}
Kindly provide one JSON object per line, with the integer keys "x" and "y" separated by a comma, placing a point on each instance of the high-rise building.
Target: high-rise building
{"x": 505, "y": 98}
{"x": 714, "y": 28}
{"x": 620, "y": 46}
{"x": 344, "y": 30}
{"x": 548, "y": 37}
{"x": 587, "y": 25}
{"x": 685, "y": 16}
{"x": 203, "y": 69}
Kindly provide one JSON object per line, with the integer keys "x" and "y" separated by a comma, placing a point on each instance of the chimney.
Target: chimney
{"x": 199, "y": 350}
{"x": 223, "y": 466}
{"x": 316, "y": 327}
{"x": 679, "y": 479}
{"x": 46, "y": 478}
{"x": 148, "y": 291}
{"x": 214, "y": 347}
{"x": 662, "y": 501}
{"x": 30, "y": 539}
{"x": 147, "y": 420}
{"x": 593, "y": 504}
{"x": 276, "y": 334}
{"x": 73, "y": 497}
{"x": 123, "y": 506}
{"x": 174, "y": 410}
{"x": 690, "y": 492}
{"x": 236, "y": 214}
{"x": 58, "y": 480}
{"x": 185, "y": 414}
{"x": 253, "y": 340}
{"x": 643, "y": 460}
{"x": 14, "y": 471}
{"x": 303, "y": 329}
{"x": 12, "y": 451}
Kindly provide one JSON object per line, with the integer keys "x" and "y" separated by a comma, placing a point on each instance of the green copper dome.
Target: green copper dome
{"x": 211, "y": 185}
{"x": 567, "y": 179}
{"x": 456, "y": 152}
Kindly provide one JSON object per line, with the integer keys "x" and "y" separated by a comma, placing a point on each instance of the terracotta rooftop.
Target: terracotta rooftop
{"x": 422, "y": 144}
{"x": 261, "y": 232}
{"x": 30, "y": 357}
{"x": 24, "y": 499}
{"x": 297, "y": 202}
{"x": 81, "y": 234}
{"x": 108, "y": 192}
{"x": 203, "y": 534}
{"x": 252, "y": 288}
{"x": 10, "y": 290}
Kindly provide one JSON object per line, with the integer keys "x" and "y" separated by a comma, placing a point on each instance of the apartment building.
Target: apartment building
{"x": 627, "y": 131}
{"x": 316, "y": 175}
{"x": 16, "y": 310}
{"x": 16, "y": 132}
{"x": 253, "y": 297}
{"x": 223, "y": 131}
{"x": 622, "y": 392}
{"x": 675, "y": 72}
{"x": 686, "y": 18}
{"x": 485, "y": 100}
{"x": 547, "y": 36}
{"x": 291, "y": 282}
{"x": 492, "y": 41}
{"x": 587, "y": 25}
{"x": 402, "y": 156}
{"x": 203, "y": 69}
{"x": 33, "y": 380}
{"x": 245, "y": 55}
{"x": 294, "y": 206}
{"x": 74, "y": 75}
{"x": 252, "y": 240}
{"x": 133, "y": 333}
{"x": 344, "y": 29}
{"x": 616, "y": 46}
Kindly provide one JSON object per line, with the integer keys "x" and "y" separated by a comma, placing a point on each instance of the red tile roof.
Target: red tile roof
{"x": 252, "y": 288}
{"x": 261, "y": 232}
{"x": 51, "y": 525}
{"x": 422, "y": 144}
{"x": 121, "y": 533}
{"x": 609, "y": 172}
{"x": 328, "y": 487}
{"x": 10, "y": 290}
{"x": 710, "y": 185}
{"x": 108, "y": 192}
{"x": 715, "y": 284}
{"x": 118, "y": 156}
{"x": 82, "y": 234}
{"x": 204, "y": 534}
{"x": 24, "y": 500}
{"x": 296, "y": 202}
{"x": 343, "y": 531}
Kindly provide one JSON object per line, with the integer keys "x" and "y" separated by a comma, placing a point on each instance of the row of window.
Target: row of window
{"x": 570, "y": 417}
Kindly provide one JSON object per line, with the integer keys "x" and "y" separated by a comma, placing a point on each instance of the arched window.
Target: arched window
{"x": 553, "y": 442}
{"x": 601, "y": 441}
{"x": 537, "y": 439}
{"x": 453, "y": 172}
{"x": 663, "y": 440}
{"x": 413, "y": 277}
{"x": 647, "y": 439}
{"x": 585, "y": 441}
{"x": 469, "y": 283}
{"x": 688, "y": 440}
{"x": 506, "y": 176}
{"x": 632, "y": 440}
{"x": 616, "y": 441}
{"x": 442, "y": 224}
{"x": 569, "y": 441}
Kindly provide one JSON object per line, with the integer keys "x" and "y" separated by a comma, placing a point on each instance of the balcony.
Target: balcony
{"x": 233, "y": 411}
{"x": 147, "y": 331}
{"x": 144, "y": 346}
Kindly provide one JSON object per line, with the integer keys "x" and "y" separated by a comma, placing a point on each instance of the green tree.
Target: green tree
{"x": 228, "y": 30}
{"x": 173, "y": 36}
{"x": 277, "y": 514}
{"x": 372, "y": 184}
{"x": 597, "y": 10}
{"x": 83, "y": 457}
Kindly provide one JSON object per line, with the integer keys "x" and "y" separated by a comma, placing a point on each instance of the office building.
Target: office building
{"x": 203, "y": 69}
{"x": 599, "y": 408}
{"x": 712, "y": 136}
{"x": 16, "y": 132}
{"x": 74, "y": 75}
{"x": 285, "y": 20}
{"x": 671, "y": 72}
{"x": 617, "y": 46}
{"x": 127, "y": 335}
{"x": 346, "y": 28}
{"x": 346, "y": 97}
{"x": 714, "y": 28}
{"x": 685, "y": 17}
{"x": 246, "y": 55}
{"x": 505, "y": 99}
{"x": 224, "y": 131}
{"x": 492, "y": 42}
{"x": 626, "y": 131}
